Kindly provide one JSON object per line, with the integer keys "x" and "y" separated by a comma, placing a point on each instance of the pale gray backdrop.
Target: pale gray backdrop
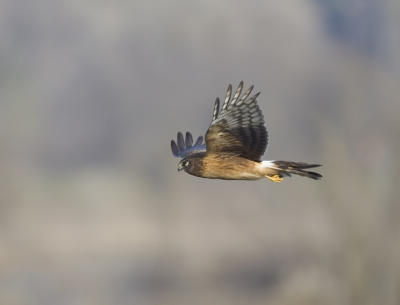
{"x": 92, "y": 208}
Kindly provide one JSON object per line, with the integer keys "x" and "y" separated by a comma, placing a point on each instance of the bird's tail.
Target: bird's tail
{"x": 276, "y": 170}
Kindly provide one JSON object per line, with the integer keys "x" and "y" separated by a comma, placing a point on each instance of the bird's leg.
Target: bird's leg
{"x": 274, "y": 178}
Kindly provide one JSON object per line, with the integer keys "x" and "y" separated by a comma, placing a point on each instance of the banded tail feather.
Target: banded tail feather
{"x": 287, "y": 168}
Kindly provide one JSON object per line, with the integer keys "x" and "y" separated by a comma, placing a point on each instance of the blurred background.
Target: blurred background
{"x": 92, "y": 208}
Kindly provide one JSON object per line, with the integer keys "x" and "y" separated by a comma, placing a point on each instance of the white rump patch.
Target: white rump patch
{"x": 269, "y": 164}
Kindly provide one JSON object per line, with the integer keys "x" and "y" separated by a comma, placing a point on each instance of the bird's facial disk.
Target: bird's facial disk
{"x": 184, "y": 163}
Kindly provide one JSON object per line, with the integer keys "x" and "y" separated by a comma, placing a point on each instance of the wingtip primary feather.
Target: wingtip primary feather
{"x": 237, "y": 93}
{"x": 227, "y": 97}
{"x": 216, "y": 109}
{"x": 174, "y": 148}
{"x": 199, "y": 141}
{"x": 181, "y": 141}
{"x": 254, "y": 97}
{"x": 188, "y": 140}
{"x": 245, "y": 95}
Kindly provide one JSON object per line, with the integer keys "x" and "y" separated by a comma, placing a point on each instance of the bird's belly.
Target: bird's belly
{"x": 234, "y": 169}
{"x": 232, "y": 175}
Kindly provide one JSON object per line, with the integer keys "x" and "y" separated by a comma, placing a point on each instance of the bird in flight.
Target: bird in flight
{"x": 234, "y": 145}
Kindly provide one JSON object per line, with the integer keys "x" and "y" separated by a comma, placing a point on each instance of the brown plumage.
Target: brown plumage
{"x": 234, "y": 145}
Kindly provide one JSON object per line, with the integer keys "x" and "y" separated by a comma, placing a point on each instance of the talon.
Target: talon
{"x": 275, "y": 178}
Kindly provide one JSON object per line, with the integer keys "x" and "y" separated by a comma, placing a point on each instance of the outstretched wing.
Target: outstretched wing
{"x": 239, "y": 126}
{"x": 185, "y": 146}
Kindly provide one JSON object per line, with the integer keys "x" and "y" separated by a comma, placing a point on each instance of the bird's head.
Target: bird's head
{"x": 192, "y": 164}
{"x": 185, "y": 164}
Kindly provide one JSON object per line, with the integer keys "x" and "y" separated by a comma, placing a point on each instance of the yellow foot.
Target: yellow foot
{"x": 275, "y": 178}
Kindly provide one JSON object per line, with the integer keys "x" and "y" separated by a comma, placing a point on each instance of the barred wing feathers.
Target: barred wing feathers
{"x": 239, "y": 126}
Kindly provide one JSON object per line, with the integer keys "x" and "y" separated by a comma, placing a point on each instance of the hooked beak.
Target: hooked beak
{"x": 180, "y": 167}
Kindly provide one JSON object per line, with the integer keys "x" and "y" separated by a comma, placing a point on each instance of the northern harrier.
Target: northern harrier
{"x": 235, "y": 142}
